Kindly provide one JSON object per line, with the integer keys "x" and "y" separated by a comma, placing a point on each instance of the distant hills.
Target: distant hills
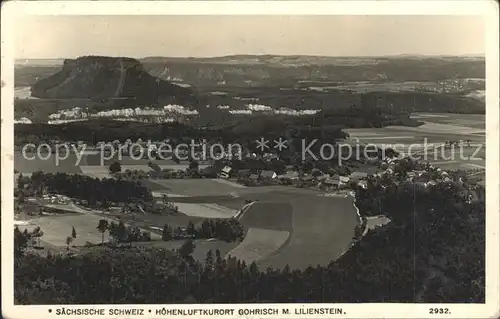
{"x": 277, "y": 60}
{"x": 279, "y": 71}
{"x": 273, "y": 70}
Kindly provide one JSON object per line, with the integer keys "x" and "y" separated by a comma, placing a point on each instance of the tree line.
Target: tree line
{"x": 96, "y": 192}
{"x": 120, "y": 233}
{"x": 229, "y": 230}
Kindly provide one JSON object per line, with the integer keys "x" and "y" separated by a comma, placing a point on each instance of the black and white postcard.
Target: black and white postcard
{"x": 250, "y": 159}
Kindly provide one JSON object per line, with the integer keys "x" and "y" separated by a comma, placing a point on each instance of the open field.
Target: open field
{"x": 258, "y": 244}
{"x": 437, "y": 129}
{"x": 191, "y": 187}
{"x": 227, "y": 201}
{"x": 407, "y": 135}
{"x": 467, "y": 120}
{"x": 366, "y": 86}
{"x": 205, "y": 210}
{"x": 206, "y": 198}
{"x": 206, "y": 187}
{"x": 85, "y": 223}
{"x": 268, "y": 215}
{"x": 322, "y": 228}
{"x": 96, "y": 171}
{"x": 57, "y": 228}
{"x": 25, "y": 165}
{"x": 95, "y": 159}
{"x": 440, "y": 128}
{"x": 89, "y": 164}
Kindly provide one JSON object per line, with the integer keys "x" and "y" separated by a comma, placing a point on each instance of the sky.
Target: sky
{"x": 208, "y": 36}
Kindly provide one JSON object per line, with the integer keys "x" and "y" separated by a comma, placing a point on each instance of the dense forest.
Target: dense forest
{"x": 236, "y": 129}
{"x": 432, "y": 251}
{"x": 108, "y": 131}
{"x": 95, "y": 191}
{"x": 38, "y": 110}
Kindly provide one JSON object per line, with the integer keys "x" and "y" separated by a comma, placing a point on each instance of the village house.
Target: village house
{"x": 226, "y": 172}
{"x": 363, "y": 184}
{"x": 331, "y": 183}
{"x": 344, "y": 179}
{"x": 430, "y": 183}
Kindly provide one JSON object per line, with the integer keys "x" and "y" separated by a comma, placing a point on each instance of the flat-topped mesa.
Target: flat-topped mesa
{"x": 102, "y": 61}
{"x": 101, "y": 77}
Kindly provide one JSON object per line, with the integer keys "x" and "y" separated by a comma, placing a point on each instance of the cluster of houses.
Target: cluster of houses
{"x": 421, "y": 175}
{"x": 56, "y": 199}
{"x": 293, "y": 177}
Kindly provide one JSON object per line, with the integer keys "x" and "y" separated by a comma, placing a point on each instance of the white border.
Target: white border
{"x": 488, "y": 9}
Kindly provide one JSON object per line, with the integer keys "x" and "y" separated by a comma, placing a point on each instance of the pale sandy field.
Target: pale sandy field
{"x": 258, "y": 244}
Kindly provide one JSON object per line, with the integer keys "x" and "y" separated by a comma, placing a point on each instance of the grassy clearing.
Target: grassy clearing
{"x": 57, "y": 228}
{"x": 323, "y": 228}
{"x": 442, "y": 128}
{"x": 258, "y": 244}
{"x": 470, "y": 120}
{"x": 96, "y": 171}
{"x": 204, "y": 210}
{"x": 155, "y": 222}
{"x": 229, "y": 202}
{"x": 192, "y": 187}
{"x": 25, "y": 165}
{"x": 401, "y": 135}
{"x": 268, "y": 215}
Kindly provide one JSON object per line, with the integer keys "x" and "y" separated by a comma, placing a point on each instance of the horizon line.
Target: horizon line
{"x": 466, "y": 55}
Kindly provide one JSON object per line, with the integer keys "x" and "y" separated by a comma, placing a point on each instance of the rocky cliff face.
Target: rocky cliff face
{"x": 98, "y": 77}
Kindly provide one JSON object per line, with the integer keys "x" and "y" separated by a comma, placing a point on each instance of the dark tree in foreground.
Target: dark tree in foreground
{"x": 187, "y": 249}
{"x": 69, "y": 240}
{"x": 20, "y": 242}
{"x": 102, "y": 227}
{"x": 37, "y": 233}
{"x": 193, "y": 165}
{"x": 167, "y": 233}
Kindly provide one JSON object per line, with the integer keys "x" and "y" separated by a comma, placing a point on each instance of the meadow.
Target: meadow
{"x": 437, "y": 129}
